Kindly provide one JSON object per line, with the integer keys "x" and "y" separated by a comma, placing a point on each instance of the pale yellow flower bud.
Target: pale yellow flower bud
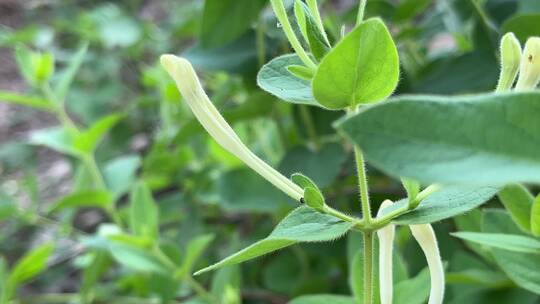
{"x": 510, "y": 60}
{"x": 529, "y": 72}
{"x": 386, "y": 237}
{"x": 425, "y": 236}
{"x": 189, "y": 86}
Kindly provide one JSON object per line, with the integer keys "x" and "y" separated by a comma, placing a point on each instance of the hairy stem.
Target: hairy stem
{"x": 363, "y": 185}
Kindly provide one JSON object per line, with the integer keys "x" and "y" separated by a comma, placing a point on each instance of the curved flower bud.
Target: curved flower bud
{"x": 386, "y": 248}
{"x": 187, "y": 82}
{"x": 510, "y": 60}
{"x": 425, "y": 236}
{"x": 529, "y": 72}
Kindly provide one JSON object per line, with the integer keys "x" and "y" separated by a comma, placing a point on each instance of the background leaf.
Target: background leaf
{"x": 518, "y": 201}
{"x": 322, "y": 299}
{"x": 30, "y": 265}
{"x": 144, "y": 213}
{"x": 516, "y": 265}
{"x": 510, "y": 242}
{"x": 225, "y": 20}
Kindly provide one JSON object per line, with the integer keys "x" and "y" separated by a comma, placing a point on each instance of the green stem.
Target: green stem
{"x": 387, "y": 218}
{"x": 361, "y": 10}
{"x": 90, "y": 162}
{"x": 347, "y": 218}
{"x": 281, "y": 14}
{"x": 310, "y": 126}
{"x": 59, "y": 107}
{"x": 200, "y": 290}
{"x": 363, "y": 185}
{"x": 368, "y": 267}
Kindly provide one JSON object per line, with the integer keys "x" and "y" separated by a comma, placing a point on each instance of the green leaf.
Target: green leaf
{"x": 88, "y": 198}
{"x": 275, "y": 78}
{"x": 67, "y": 75}
{"x": 408, "y": 9}
{"x": 56, "y": 138}
{"x": 29, "y": 266}
{"x": 412, "y": 188}
{"x": 226, "y": 285}
{"x": 356, "y": 276}
{"x": 314, "y": 198}
{"x": 445, "y": 203}
{"x": 518, "y": 201}
{"x": 301, "y": 225}
{"x": 300, "y": 15}
{"x": 43, "y": 66}
{"x": 120, "y": 173}
{"x": 4, "y": 273}
{"x": 535, "y": 217}
{"x": 99, "y": 263}
{"x": 225, "y": 20}
{"x": 474, "y": 139}
{"x": 138, "y": 259}
{"x": 318, "y": 44}
{"x": 195, "y": 249}
{"x": 522, "y": 268}
{"x": 301, "y": 72}
{"x": 23, "y": 100}
{"x": 312, "y": 194}
{"x": 361, "y": 68}
{"x": 88, "y": 140}
{"x": 523, "y": 25}
{"x": 415, "y": 290}
{"x": 144, "y": 213}
{"x": 129, "y": 254}
{"x": 510, "y": 242}
{"x": 303, "y": 181}
{"x": 323, "y": 299}
{"x": 238, "y": 56}
{"x": 23, "y": 56}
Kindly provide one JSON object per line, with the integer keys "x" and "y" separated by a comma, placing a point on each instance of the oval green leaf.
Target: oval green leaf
{"x": 518, "y": 201}
{"x": 275, "y": 78}
{"x": 323, "y": 299}
{"x": 510, "y": 242}
{"x": 362, "y": 68}
{"x": 445, "y": 203}
{"x": 522, "y": 268}
{"x": 301, "y": 225}
{"x": 489, "y": 139}
{"x": 535, "y": 217}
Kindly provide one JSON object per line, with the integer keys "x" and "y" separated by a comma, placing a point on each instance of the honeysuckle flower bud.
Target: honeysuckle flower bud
{"x": 425, "y": 236}
{"x": 510, "y": 50}
{"x": 529, "y": 72}
{"x": 187, "y": 82}
{"x": 386, "y": 248}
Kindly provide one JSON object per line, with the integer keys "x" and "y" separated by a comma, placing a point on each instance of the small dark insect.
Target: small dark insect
{"x": 302, "y": 201}
{"x": 530, "y": 58}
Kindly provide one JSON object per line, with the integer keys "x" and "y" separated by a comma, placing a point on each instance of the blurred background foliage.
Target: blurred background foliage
{"x": 124, "y": 206}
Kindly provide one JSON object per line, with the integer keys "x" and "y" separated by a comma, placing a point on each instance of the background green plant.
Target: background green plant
{"x": 144, "y": 197}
